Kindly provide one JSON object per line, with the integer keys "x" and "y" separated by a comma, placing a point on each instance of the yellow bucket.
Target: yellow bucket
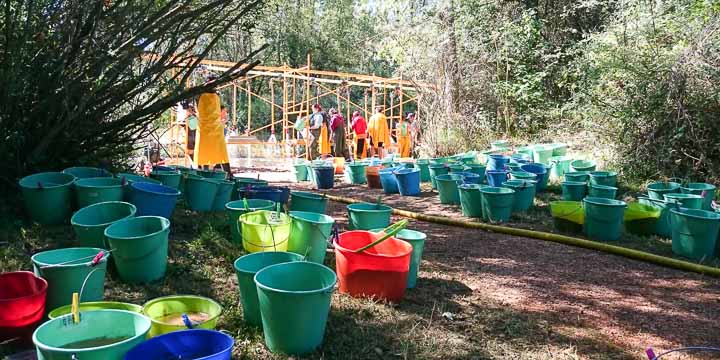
{"x": 265, "y": 230}
{"x": 165, "y": 313}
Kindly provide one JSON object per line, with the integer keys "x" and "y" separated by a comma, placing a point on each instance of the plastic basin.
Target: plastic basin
{"x": 300, "y": 171}
{"x": 470, "y": 200}
{"x": 522, "y": 175}
{"x": 695, "y": 233}
{"x": 582, "y": 165}
{"x": 574, "y": 190}
{"x": 469, "y": 177}
{"x": 424, "y": 166}
{"x": 22, "y": 304}
{"x": 48, "y": 197}
{"x": 305, "y": 201}
{"x": 83, "y": 172}
{"x": 167, "y": 178}
{"x": 559, "y": 149}
{"x": 309, "y": 233}
{"x": 707, "y": 191}
{"x": 196, "y": 344}
{"x": 238, "y": 207}
{"x": 408, "y": 182}
{"x": 89, "y": 223}
{"x": 524, "y": 193}
{"x": 90, "y": 191}
{"x": 604, "y": 218}
{"x": 140, "y": 248}
{"x": 165, "y": 313}
{"x": 447, "y": 187}
{"x": 497, "y": 203}
{"x": 213, "y": 174}
{"x": 366, "y": 216}
{"x": 94, "y": 305}
{"x": 129, "y": 179}
{"x": 265, "y": 230}
{"x": 153, "y": 199}
{"x": 657, "y": 190}
{"x": 601, "y": 191}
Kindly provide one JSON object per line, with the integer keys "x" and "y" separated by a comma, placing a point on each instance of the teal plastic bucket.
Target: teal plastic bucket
{"x": 246, "y": 267}
{"x": 604, "y": 218}
{"x": 500, "y": 145}
{"x": 497, "y": 203}
{"x": 213, "y": 174}
{"x": 525, "y": 150}
{"x": 437, "y": 170}
{"x": 301, "y": 171}
{"x": 662, "y": 225}
{"x": 513, "y": 166}
{"x": 294, "y": 300}
{"x": 470, "y": 200}
{"x": 456, "y": 168}
{"x": 582, "y": 165}
{"x": 309, "y": 234}
{"x": 65, "y": 271}
{"x": 238, "y": 207}
{"x": 574, "y": 190}
{"x": 366, "y": 216}
{"x": 559, "y": 149}
{"x": 200, "y": 193}
{"x": 695, "y": 233}
{"x": 578, "y": 176}
{"x": 477, "y": 169}
{"x": 689, "y": 201}
{"x": 601, "y": 191}
{"x": 223, "y": 194}
{"x": 89, "y": 223}
{"x": 356, "y": 173}
{"x": 561, "y": 165}
{"x": 417, "y": 240}
{"x": 90, "y": 191}
{"x": 707, "y": 191}
{"x": 306, "y": 201}
{"x": 524, "y": 197}
{"x": 140, "y": 248}
{"x": 48, "y": 197}
{"x": 167, "y": 178}
{"x": 100, "y": 335}
{"x": 447, "y": 187}
{"x": 84, "y": 172}
{"x": 657, "y": 190}
{"x": 542, "y": 154}
{"x": 605, "y": 178}
{"x": 424, "y": 166}
{"x": 522, "y": 175}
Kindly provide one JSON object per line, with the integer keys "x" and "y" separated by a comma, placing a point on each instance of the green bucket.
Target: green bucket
{"x": 90, "y": 191}
{"x": 522, "y": 175}
{"x": 582, "y": 165}
{"x": 294, "y": 300}
{"x": 578, "y": 176}
{"x": 100, "y": 335}
{"x": 447, "y": 187}
{"x": 604, "y": 218}
{"x": 65, "y": 271}
{"x": 500, "y": 145}
{"x": 165, "y": 313}
{"x": 417, "y": 240}
{"x": 437, "y": 170}
{"x": 524, "y": 193}
{"x": 497, "y": 203}
{"x": 561, "y": 165}
{"x": 309, "y": 233}
{"x": 93, "y": 306}
{"x": 707, "y": 191}
{"x": 90, "y": 222}
{"x": 559, "y": 149}
{"x": 236, "y": 208}
{"x": 574, "y": 190}
{"x": 309, "y": 202}
{"x": 542, "y": 154}
{"x": 477, "y": 169}
{"x": 301, "y": 171}
{"x": 200, "y": 193}
{"x": 140, "y": 247}
{"x": 213, "y": 174}
{"x": 48, "y": 197}
{"x": 657, "y": 190}
{"x": 662, "y": 225}
{"x": 356, "y": 173}
{"x": 456, "y": 168}
{"x": 605, "y": 178}
{"x": 246, "y": 267}
{"x": 601, "y": 191}
{"x": 424, "y": 165}
{"x": 366, "y": 216}
{"x": 223, "y": 194}
{"x": 513, "y": 166}
{"x": 167, "y": 178}
{"x": 470, "y": 200}
{"x": 695, "y": 233}
{"x": 689, "y": 201}
{"x": 525, "y": 150}
{"x": 84, "y": 172}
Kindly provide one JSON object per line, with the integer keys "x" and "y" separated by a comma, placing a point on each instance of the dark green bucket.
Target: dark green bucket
{"x": 140, "y": 248}
{"x": 356, "y": 173}
{"x": 657, "y": 190}
{"x": 662, "y": 225}
{"x": 307, "y": 201}
{"x": 689, "y": 201}
{"x": 223, "y": 194}
{"x": 524, "y": 193}
{"x": 366, "y": 216}
{"x": 48, "y": 197}
{"x": 604, "y": 218}
{"x": 436, "y": 170}
{"x": 578, "y": 176}
{"x": 574, "y": 190}
{"x": 601, "y": 191}
{"x": 424, "y": 165}
{"x": 236, "y": 208}
{"x": 582, "y": 165}
{"x": 90, "y": 191}
{"x": 447, "y": 187}
{"x": 707, "y": 191}
{"x": 84, "y": 172}
{"x": 497, "y": 203}
{"x": 605, "y": 178}
{"x": 200, "y": 193}
{"x": 167, "y": 178}
{"x": 90, "y": 222}
{"x": 695, "y": 233}
{"x": 213, "y": 174}
{"x": 522, "y": 175}
{"x": 300, "y": 170}
{"x": 470, "y": 200}
{"x": 309, "y": 234}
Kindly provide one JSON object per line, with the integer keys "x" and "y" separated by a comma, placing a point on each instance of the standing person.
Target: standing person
{"x": 320, "y": 129}
{"x": 337, "y": 127}
{"x": 414, "y": 132}
{"x": 210, "y": 146}
{"x": 192, "y": 125}
{"x": 404, "y": 138}
{"x": 378, "y": 132}
{"x": 224, "y": 119}
{"x": 359, "y": 126}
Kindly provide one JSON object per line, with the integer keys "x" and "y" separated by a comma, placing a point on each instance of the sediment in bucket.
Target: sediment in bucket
{"x": 373, "y": 177}
{"x": 601, "y": 191}
{"x": 356, "y": 173}
{"x": 447, "y": 187}
{"x": 695, "y": 233}
{"x": 186, "y": 344}
{"x": 542, "y": 174}
{"x": 90, "y": 191}
{"x": 408, "y": 181}
{"x": 689, "y": 201}
{"x": 100, "y": 335}
{"x": 560, "y": 166}
{"x": 165, "y": 313}
{"x": 236, "y": 208}
{"x": 366, "y": 216}
{"x": 497, "y": 203}
{"x": 94, "y": 305}
{"x": 246, "y": 267}
{"x": 140, "y": 248}
{"x": 605, "y": 178}
{"x": 22, "y": 304}
{"x": 582, "y": 165}
{"x": 524, "y": 197}
{"x": 579, "y": 176}
{"x": 89, "y": 223}
{"x": 167, "y": 178}
{"x": 223, "y": 194}
{"x": 153, "y": 199}
{"x": 305, "y": 201}
{"x": 436, "y": 170}
{"x": 470, "y": 200}
{"x": 48, "y": 197}
{"x": 65, "y": 271}
{"x": 574, "y": 190}
{"x": 309, "y": 233}
{"x": 603, "y": 218}
{"x": 200, "y": 193}
{"x": 84, "y": 172}
{"x": 707, "y": 191}
{"x": 285, "y": 288}
{"x": 265, "y": 230}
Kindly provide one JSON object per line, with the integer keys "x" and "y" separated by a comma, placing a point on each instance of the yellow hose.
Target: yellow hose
{"x": 567, "y": 240}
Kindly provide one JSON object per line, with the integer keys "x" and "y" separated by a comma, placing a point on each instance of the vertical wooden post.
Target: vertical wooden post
{"x": 307, "y": 93}
{"x": 272, "y": 108}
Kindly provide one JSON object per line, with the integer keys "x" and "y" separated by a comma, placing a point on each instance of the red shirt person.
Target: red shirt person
{"x": 359, "y": 126}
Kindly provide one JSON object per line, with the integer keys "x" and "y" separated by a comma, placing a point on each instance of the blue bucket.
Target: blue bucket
{"x": 470, "y": 178}
{"x": 495, "y": 178}
{"x": 408, "y": 181}
{"x": 185, "y": 344}
{"x": 153, "y": 199}
{"x": 542, "y": 174}
{"x": 273, "y": 195}
{"x": 324, "y": 177}
{"x": 497, "y": 162}
{"x": 389, "y": 181}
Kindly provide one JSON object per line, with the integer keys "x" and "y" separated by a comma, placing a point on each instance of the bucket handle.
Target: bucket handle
{"x": 388, "y": 231}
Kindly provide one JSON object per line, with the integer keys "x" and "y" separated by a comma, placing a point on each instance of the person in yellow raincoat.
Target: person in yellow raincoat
{"x": 404, "y": 138}
{"x": 378, "y": 132}
{"x": 210, "y": 146}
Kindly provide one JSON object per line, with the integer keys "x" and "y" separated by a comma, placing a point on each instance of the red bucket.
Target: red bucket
{"x": 380, "y": 271}
{"x": 22, "y": 304}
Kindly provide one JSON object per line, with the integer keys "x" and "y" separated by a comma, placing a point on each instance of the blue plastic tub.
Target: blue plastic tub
{"x": 495, "y": 178}
{"x": 185, "y": 344}
{"x": 273, "y": 195}
{"x": 408, "y": 181}
{"x": 497, "y": 162}
{"x": 324, "y": 176}
{"x": 153, "y": 199}
{"x": 542, "y": 174}
{"x": 389, "y": 181}
{"x": 470, "y": 178}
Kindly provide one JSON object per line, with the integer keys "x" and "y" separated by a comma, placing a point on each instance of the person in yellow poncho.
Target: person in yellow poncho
{"x": 210, "y": 146}
{"x": 404, "y": 138}
{"x": 378, "y": 132}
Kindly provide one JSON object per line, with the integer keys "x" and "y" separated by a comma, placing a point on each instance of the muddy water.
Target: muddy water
{"x": 90, "y": 343}
{"x": 176, "y": 318}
